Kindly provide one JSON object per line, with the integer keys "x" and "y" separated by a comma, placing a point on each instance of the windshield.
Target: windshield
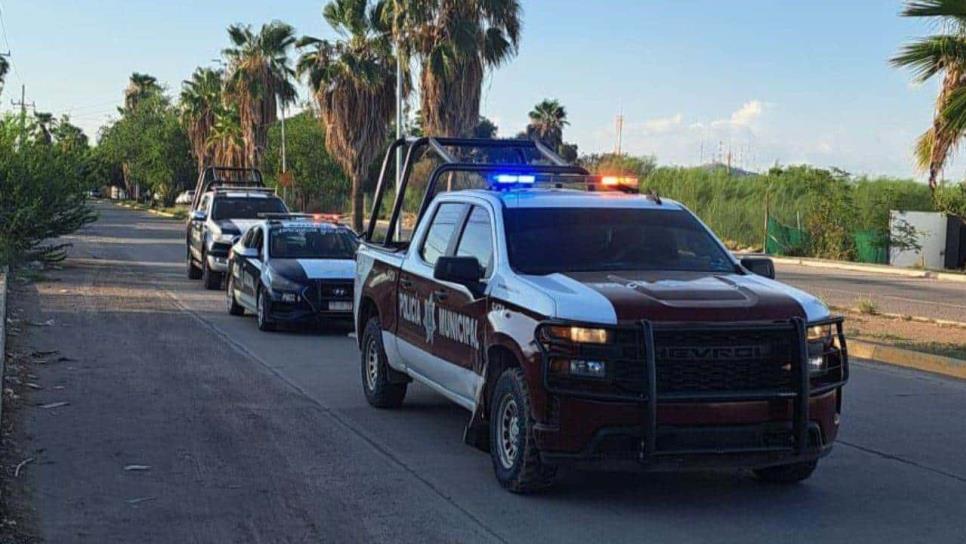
{"x": 245, "y": 208}
{"x": 547, "y": 240}
{"x": 311, "y": 242}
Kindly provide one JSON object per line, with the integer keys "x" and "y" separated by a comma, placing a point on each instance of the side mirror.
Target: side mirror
{"x": 247, "y": 252}
{"x": 463, "y": 270}
{"x": 763, "y": 266}
{"x": 199, "y": 215}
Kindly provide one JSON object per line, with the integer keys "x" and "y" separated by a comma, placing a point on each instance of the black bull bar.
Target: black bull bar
{"x": 799, "y": 389}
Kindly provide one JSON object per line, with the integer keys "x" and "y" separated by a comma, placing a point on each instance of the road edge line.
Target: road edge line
{"x": 906, "y": 358}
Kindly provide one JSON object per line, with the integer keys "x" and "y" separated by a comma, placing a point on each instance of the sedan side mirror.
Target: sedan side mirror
{"x": 463, "y": 270}
{"x": 762, "y": 266}
{"x": 199, "y": 215}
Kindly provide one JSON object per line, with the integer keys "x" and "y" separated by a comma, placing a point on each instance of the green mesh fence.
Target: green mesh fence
{"x": 785, "y": 240}
{"x": 871, "y": 246}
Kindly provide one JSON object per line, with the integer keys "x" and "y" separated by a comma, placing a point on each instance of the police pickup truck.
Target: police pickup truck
{"x": 582, "y": 323}
{"x": 227, "y": 202}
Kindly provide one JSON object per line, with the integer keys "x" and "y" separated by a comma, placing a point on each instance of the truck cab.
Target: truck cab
{"x": 582, "y": 323}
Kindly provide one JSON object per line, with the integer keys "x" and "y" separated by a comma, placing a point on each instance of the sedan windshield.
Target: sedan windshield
{"x": 245, "y": 208}
{"x": 311, "y": 242}
{"x": 547, "y": 240}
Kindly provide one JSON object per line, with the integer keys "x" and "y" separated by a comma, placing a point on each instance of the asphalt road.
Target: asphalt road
{"x": 259, "y": 437}
{"x": 921, "y": 297}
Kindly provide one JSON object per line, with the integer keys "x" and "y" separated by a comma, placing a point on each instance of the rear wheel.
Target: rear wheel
{"x": 194, "y": 273}
{"x": 513, "y": 448}
{"x": 233, "y": 307}
{"x": 786, "y": 474}
{"x": 381, "y": 384}
{"x": 264, "y": 314}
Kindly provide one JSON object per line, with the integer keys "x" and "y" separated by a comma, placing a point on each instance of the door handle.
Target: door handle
{"x": 406, "y": 284}
{"x": 440, "y": 295}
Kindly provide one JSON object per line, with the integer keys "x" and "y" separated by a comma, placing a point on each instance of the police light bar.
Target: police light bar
{"x": 618, "y": 181}
{"x": 511, "y": 179}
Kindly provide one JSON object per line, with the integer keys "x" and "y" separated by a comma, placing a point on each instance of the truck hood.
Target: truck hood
{"x": 236, "y": 226}
{"x": 609, "y": 297}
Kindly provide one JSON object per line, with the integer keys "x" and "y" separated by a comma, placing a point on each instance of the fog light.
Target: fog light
{"x": 289, "y": 297}
{"x": 816, "y": 364}
{"x": 588, "y": 369}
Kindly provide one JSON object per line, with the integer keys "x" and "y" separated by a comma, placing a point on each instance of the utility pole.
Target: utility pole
{"x": 399, "y": 95}
{"x": 23, "y": 112}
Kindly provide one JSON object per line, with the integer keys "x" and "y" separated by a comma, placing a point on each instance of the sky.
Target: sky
{"x": 767, "y": 81}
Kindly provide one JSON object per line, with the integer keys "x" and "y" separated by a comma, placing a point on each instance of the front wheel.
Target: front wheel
{"x": 383, "y": 388}
{"x": 786, "y": 474}
{"x": 209, "y": 277}
{"x": 194, "y": 273}
{"x": 233, "y": 307}
{"x": 264, "y": 314}
{"x": 513, "y": 448}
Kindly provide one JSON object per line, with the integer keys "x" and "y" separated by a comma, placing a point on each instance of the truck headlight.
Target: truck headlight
{"x": 581, "y": 335}
{"x": 288, "y": 289}
{"x": 819, "y": 340}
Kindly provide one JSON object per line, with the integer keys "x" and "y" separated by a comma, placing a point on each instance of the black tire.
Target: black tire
{"x": 519, "y": 471}
{"x": 233, "y": 307}
{"x": 786, "y": 474}
{"x": 194, "y": 273}
{"x": 264, "y": 315}
{"x": 381, "y": 384}
{"x": 210, "y": 278}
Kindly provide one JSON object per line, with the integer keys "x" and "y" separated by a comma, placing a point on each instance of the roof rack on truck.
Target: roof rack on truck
{"x": 227, "y": 177}
{"x": 494, "y": 164}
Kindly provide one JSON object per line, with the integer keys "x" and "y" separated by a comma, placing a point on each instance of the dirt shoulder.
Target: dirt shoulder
{"x": 933, "y": 338}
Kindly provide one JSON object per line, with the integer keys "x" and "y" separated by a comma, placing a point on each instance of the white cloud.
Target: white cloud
{"x": 745, "y": 116}
{"x": 661, "y": 124}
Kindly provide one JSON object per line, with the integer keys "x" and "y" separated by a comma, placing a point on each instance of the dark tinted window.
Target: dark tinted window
{"x": 441, "y": 231}
{"x": 477, "y": 240}
{"x": 245, "y": 208}
{"x": 548, "y": 240}
{"x": 311, "y": 242}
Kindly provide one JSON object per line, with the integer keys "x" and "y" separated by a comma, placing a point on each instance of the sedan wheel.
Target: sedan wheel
{"x": 263, "y": 314}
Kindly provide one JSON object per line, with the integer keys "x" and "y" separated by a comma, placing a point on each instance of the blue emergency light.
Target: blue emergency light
{"x": 510, "y": 179}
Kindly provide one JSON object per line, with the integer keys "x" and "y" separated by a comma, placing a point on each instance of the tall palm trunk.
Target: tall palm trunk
{"x": 943, "y": 138}
{"x": 451, "y": 100}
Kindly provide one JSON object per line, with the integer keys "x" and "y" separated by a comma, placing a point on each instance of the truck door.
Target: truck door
{"x": 196, "y": 230}
{"x": 417, "y": 329}
{"x": 460, "y": 313}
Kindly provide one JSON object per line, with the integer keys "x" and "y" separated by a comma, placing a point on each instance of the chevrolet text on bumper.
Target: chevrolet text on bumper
{"x": 583, "y": 323}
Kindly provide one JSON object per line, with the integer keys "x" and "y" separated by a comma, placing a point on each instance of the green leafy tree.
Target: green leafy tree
{"x": 4, "y": 69}
{"x": 43, "y": 122}
{"x": 259, "y": 79}
{"x": 319, "y": 183}
{"x": 42, "y": 196}
{"x": 484, "y": 128}
{"x": 353, "y": 80}
{"x": 140, "y": 86}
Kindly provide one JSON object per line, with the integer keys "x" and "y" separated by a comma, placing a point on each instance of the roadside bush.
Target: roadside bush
{"x": 42, "y": 196}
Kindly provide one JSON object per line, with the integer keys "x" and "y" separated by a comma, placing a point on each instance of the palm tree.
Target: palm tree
{"x": 139, "y": 87}
{"x": 547, "y": 120}
{"x": 200, "y": 100}
{"x": 353, "y": 81}
{"x": 456, "y": 41}
{"x": 44, "y": 125}
{"x": 259, "y": 79}
{"x": 225, "y": 142}
{"x": 942, "y": 54}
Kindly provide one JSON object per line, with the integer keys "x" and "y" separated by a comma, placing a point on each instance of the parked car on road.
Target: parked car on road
{"x": 184, "y": 199}
{"x": 292, "y": 269}
{"x": 582, "y": 323}
{"x": 231, "y": 201}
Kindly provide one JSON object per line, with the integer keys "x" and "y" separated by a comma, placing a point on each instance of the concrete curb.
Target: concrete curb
{"x": 871, "y": 268}
{"x": 149, "y": 210}
{"x": 937, "y": 364}
{"x": 4, "y": 273}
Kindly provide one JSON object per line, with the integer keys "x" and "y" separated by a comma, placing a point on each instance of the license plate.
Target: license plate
{"x": 340, "y": 306}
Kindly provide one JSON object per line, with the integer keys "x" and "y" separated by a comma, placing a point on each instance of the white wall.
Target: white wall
{"x": 931, "y": 227}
